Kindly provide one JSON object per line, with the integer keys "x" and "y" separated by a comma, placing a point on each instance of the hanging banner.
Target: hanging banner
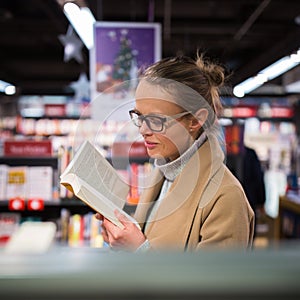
{"x": 121, "y": 51}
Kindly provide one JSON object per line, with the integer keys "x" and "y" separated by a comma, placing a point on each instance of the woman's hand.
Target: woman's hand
{"x": 129, "y": 238}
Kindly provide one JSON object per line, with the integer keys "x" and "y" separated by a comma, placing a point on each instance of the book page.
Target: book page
{"x": 89, "y": 165}
{"x": 106, "y": 208}
{"x": 95, "y": 200}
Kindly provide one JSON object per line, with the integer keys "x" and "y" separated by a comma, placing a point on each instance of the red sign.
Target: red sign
{"x": 27, "y": 148}
{"x": 282, "y": 112}
{"x": 127, "y": 149}
{"x": 55, "y": 110}
{"x": 35, "y": 204}
{"x": 16, "y": 204}
{"x": 244, "y": 112}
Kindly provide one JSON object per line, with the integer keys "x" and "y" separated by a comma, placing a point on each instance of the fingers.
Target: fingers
{"x": 111, "y": 229}
{"x": 99, "y": 216}
{"x": 128, "y": 238}
{"x": 121, "y": 218}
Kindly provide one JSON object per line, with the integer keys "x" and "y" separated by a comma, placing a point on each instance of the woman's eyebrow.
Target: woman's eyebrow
{"x": 136, "y": 111}
{"x": 150, "y": 114}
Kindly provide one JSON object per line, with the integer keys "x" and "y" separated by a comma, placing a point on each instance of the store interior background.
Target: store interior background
{"x": 245, "y": 36}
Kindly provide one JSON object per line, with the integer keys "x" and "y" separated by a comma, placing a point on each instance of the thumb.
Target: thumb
{"x": 123, "y": 219}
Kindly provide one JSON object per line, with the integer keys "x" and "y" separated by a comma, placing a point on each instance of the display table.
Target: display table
{"x": 83, "y": 273}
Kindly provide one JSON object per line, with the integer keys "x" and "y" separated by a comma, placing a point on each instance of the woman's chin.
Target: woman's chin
{"x": 154, "y": 154}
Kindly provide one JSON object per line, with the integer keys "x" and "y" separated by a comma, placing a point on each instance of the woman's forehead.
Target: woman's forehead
{"x": 154, "y": 105}
{"x": 152, "y": 91}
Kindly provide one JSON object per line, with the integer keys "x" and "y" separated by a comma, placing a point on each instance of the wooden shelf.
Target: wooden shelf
{"x": 30, "y": 161}
{"x": 287, "y": 203}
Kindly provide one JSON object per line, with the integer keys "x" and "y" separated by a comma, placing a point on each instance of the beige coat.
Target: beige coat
{"x": 204, "y": 207}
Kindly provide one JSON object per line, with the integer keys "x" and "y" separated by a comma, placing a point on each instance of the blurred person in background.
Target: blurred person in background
{"x": 253, "y": 182}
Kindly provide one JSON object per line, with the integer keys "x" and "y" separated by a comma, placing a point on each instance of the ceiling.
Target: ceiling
{"x": 245, "y": 36}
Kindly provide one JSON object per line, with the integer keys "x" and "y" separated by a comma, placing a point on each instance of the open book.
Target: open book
{"x": 94, "y": 181}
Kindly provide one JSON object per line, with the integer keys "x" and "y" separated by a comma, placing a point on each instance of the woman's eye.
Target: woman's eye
{"x": 154, "y": 120}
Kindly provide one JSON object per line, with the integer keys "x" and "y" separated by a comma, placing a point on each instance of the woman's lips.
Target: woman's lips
{"x": 150, "y": 145}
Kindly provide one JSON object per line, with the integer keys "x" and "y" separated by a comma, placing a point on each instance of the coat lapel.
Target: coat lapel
{"x": 174, "y": 218}
{"x": 148, "y": 197}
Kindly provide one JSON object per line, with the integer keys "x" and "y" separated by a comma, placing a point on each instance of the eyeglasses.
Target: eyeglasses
{"x": 154, "y": 122}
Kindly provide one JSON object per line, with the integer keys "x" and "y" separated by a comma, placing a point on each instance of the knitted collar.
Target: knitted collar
{"x": 173, "y": 168}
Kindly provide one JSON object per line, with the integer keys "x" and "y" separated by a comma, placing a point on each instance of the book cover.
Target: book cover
{"x": 16, "y": 182}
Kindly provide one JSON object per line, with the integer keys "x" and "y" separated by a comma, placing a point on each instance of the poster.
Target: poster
{"x": 122, "y": 50}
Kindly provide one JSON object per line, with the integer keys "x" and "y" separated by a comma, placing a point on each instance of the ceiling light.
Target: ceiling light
{"x": 276, "y": 69}
{"x": 10, "y": 90}
{"x": 7, "y": 88}
{"x": 249, "y": 85}
{"x": 82, "y": 21}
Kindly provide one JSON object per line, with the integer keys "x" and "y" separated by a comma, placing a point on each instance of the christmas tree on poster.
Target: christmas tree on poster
{"x": 125, "y": 66}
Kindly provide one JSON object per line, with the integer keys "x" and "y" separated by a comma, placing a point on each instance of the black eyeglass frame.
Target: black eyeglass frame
{"x": 162, "y": 119}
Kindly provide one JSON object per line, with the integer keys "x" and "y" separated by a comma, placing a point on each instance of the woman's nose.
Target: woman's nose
{"x": 144, "y": 129}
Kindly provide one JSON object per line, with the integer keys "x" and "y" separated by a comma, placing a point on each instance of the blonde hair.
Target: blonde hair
{"x": 202, "y": 76}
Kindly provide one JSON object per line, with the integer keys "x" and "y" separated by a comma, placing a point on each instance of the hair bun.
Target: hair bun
{"x": 213, "y": 72}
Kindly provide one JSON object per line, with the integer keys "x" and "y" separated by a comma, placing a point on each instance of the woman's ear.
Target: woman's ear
{"x": 199, "y": 119}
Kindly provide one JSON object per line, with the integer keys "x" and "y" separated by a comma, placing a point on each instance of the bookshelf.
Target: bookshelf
{"x": 62, "y": 209}
{"x": 65, "y": 124}
{"x": 33, "y": 161}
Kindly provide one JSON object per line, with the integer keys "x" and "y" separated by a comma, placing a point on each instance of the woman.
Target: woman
{"x": 192, "y": 201}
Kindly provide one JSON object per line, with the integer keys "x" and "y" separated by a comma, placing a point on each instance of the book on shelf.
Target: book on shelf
{"x": 40, "y": 182}
{"x": 3, "y": 181}
{"x": 94, "y": 181}
{"x": 27, "y": 182}
{"x": 16, "y": 182}
{"x": 64, "y": 153}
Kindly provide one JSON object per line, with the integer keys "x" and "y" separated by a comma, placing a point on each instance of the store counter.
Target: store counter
{"x": 86, "y": 273}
